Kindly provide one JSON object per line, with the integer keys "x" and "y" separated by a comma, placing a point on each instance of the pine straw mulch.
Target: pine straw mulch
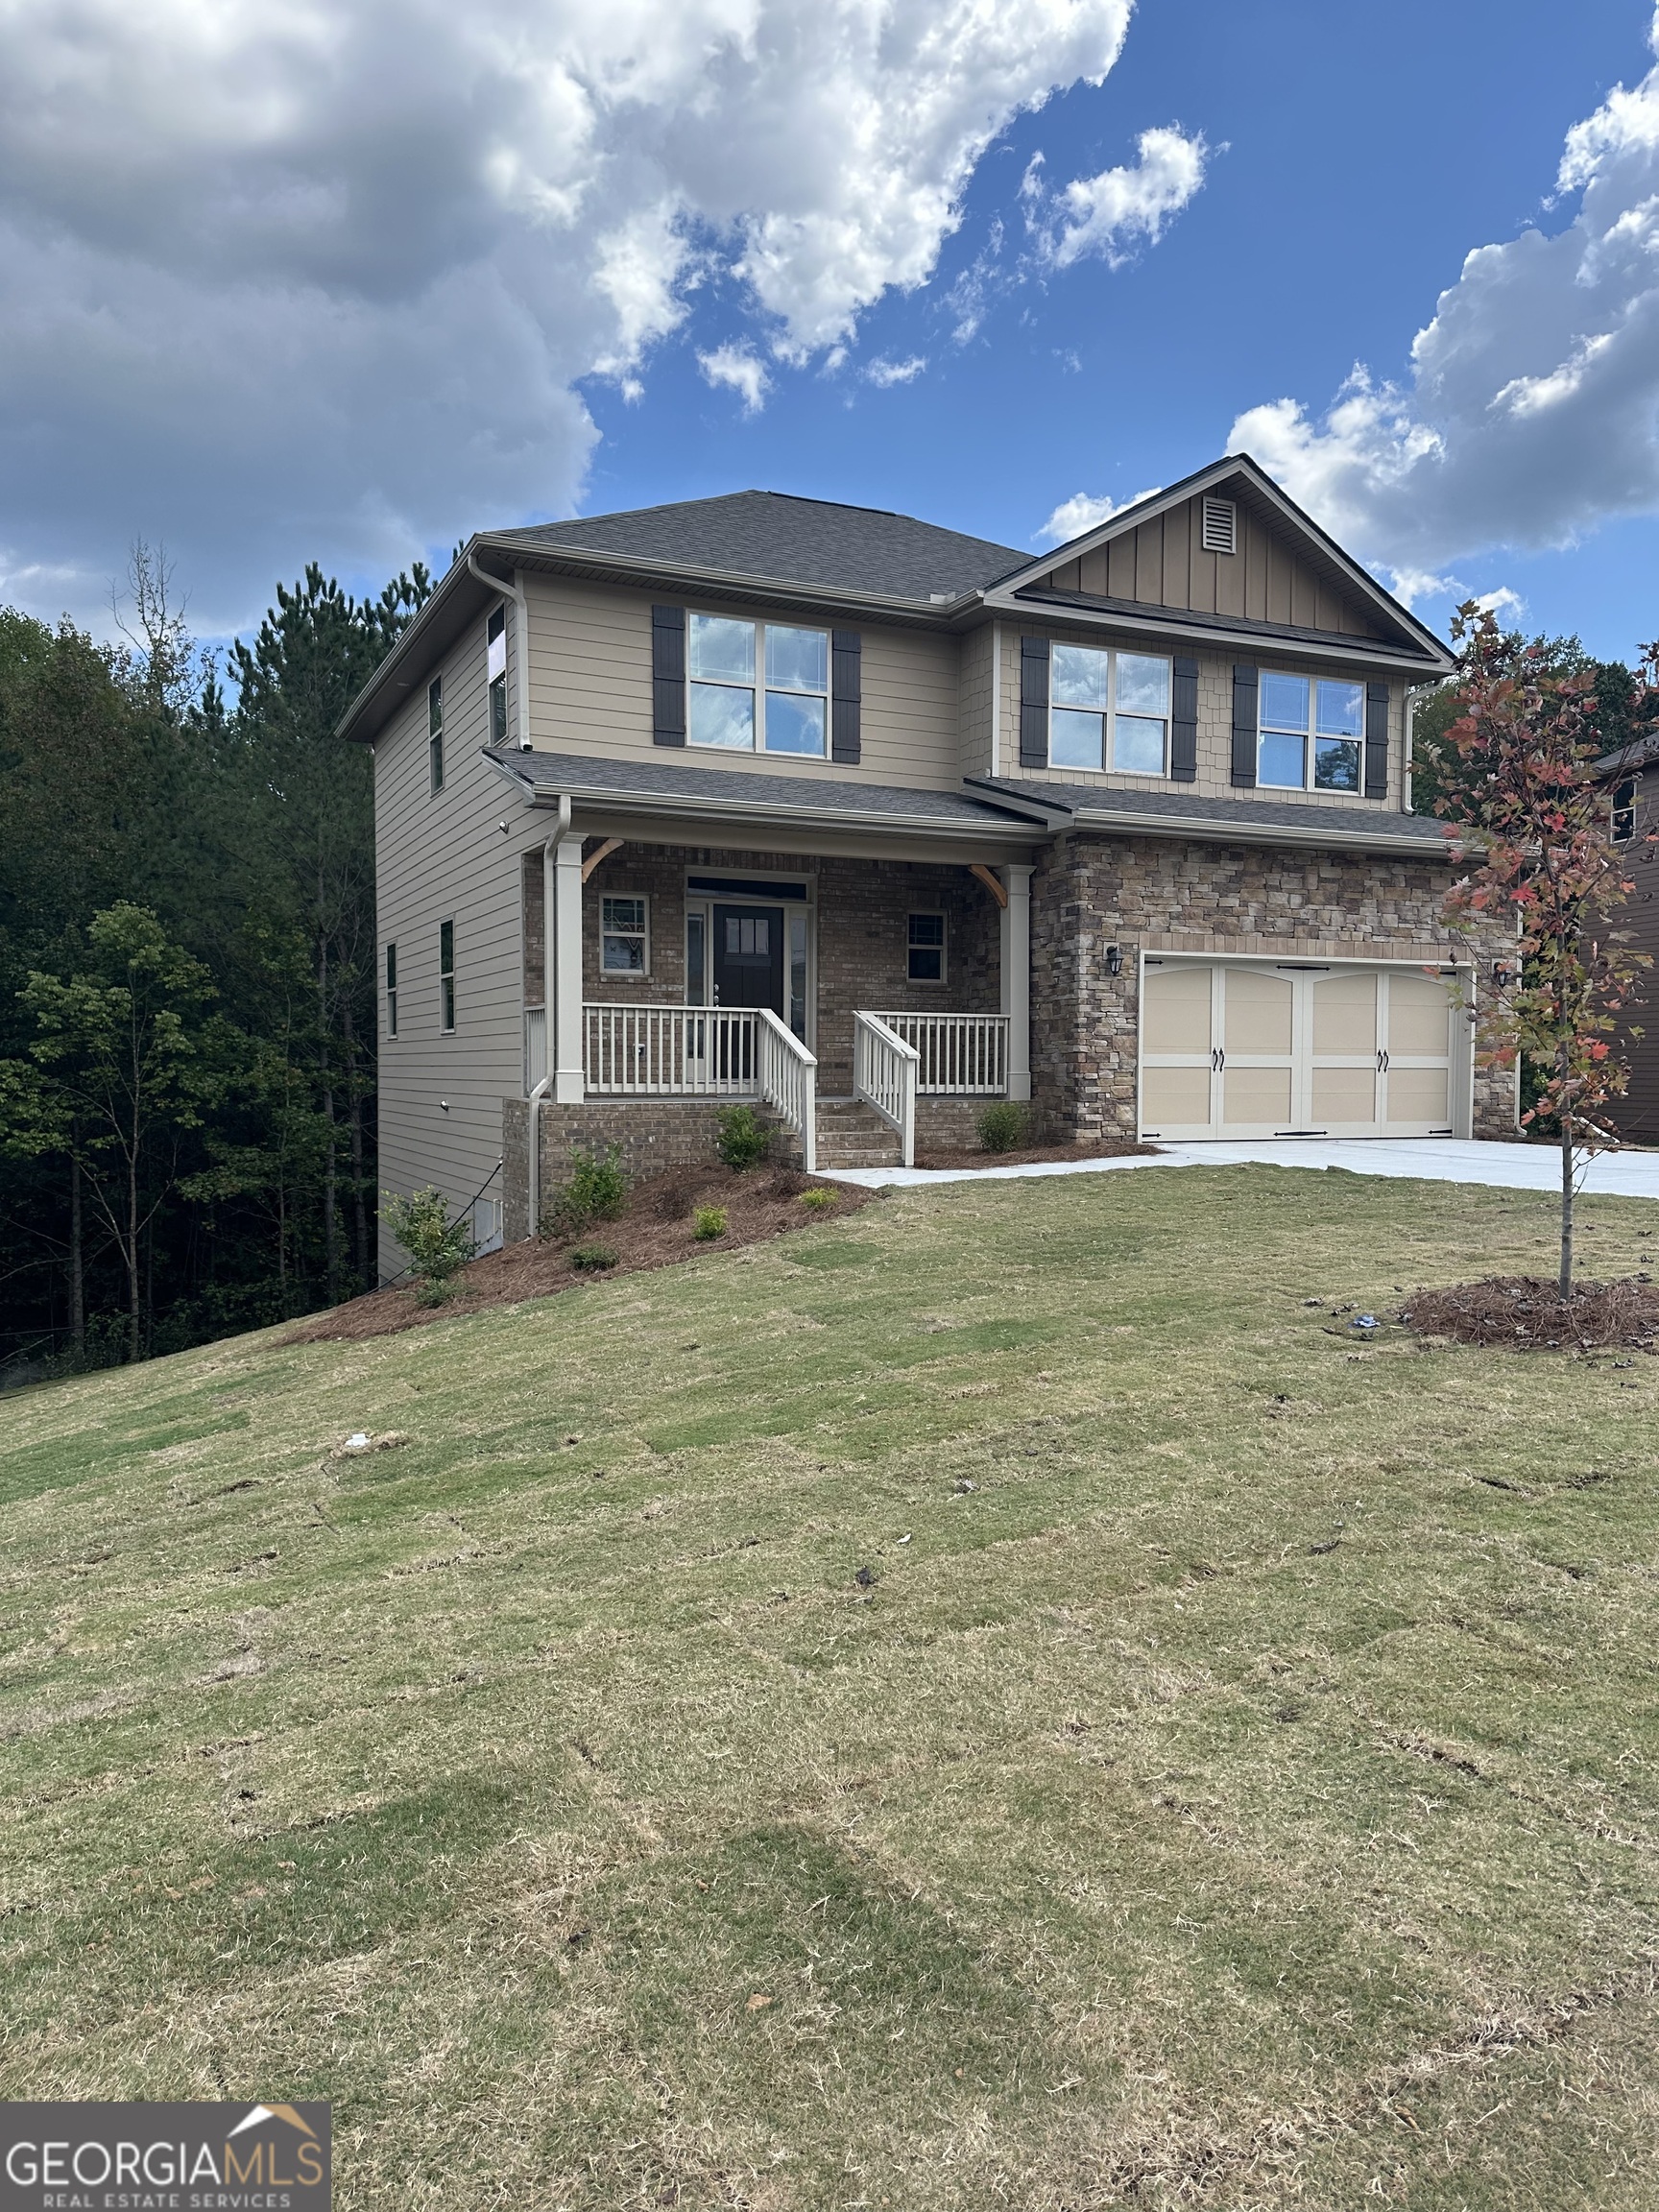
{"x": 1030, "y": 1155}
{"x": 1524, "y": 1313}
{"x": 655, "y": 1231}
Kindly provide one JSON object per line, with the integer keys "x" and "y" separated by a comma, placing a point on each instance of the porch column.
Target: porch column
{"x": 564, "y": 957}
{"x": 1016, "y": 948}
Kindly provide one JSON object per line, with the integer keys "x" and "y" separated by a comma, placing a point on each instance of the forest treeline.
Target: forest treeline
{"x": 188, "y": 966}
{"x": 187, "y": 1000}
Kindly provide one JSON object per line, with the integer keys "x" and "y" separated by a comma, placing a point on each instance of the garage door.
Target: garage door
{"x": 1294, "y": 1050}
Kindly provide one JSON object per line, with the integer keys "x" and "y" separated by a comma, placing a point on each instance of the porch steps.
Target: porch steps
{"x": 854, "y": 1135}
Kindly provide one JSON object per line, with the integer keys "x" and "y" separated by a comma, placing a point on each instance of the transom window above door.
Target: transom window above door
{"x": 1108, "y": 709}
{"x": 1311, "y": 732}
{"x": 757, "y": 686}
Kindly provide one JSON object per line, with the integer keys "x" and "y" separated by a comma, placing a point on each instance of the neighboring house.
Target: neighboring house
{"x": 1631, "y": 777}
{"x": 869, "y": 822}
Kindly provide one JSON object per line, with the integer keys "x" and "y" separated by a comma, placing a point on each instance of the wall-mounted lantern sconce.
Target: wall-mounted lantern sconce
{"x": 1503, "y": 973}
{"x": 1114, "y": 959}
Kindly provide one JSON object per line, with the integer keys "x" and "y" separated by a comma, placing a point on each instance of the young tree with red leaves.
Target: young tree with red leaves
{"x": 1534, "y": 811}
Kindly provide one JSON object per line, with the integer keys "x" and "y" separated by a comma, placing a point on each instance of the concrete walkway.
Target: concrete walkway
{"x": 1425, "y": 1159}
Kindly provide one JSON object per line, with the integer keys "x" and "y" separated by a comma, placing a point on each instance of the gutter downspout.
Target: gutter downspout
{"x": 509, "y": 588}
{"x": 543, "y": 1088}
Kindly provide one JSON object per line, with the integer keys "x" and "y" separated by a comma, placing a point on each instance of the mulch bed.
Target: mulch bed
{"x": 655, "y": 1231}
{"x": 1030, "y": 1155}
{"x": 1524, "y": 1313}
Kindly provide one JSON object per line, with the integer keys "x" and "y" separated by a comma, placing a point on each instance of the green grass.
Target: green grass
{"x": 1239, "y": 1790}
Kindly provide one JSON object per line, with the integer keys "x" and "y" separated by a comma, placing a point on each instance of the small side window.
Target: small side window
{"x": 391, "y": 990}
{"x": 926, "y": 951}
{"x": 496, "y": 640}
{"x": 624, "y": 941}
{"x": 447, "y": 976}
{"x": 435, "y": 731}
{"x": 1624, "y": 811}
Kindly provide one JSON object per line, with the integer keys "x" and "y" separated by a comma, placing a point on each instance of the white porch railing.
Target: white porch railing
{"x": 670, "y": 1052}
{"x": 534, "y": 1048}
{"x": 884, "y": 1068}
{"x": 703, "y": 1052}
{"x": 961, "y": 1055}
{"x": 788, "y": 1075}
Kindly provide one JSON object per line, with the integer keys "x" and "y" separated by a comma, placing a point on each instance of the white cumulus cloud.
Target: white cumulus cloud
{"x": 885, "y": 373}
{"x": 737, "y": 367}
{"x": 1532, "y": 408}
{"x": 1121, "y": 209}
{"x": 1084, "y": 511}
{"x": 325, "y": 277}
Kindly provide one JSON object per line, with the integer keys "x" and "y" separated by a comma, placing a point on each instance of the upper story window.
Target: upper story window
{"x": 1108, "y": 709}
{"x": 495, "y": 635}
{"x": 435, "y": 731}
{"x": 447, "y": 976}
{"x": 1623, "y": 813}
{"x": 757, "y": 686}
{"x": 391, "y": 990}
{"x": 1310, "y": 730}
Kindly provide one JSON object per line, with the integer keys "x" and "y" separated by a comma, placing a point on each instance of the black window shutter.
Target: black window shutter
{"x": 668, "y": 675}
{"x": 845, "y": 692}
{"x": 1184, "y": 723}
{"x": 1033, "y": 702}
{"x": 1376, "y": 740}
{"x": 1244, "y": 689}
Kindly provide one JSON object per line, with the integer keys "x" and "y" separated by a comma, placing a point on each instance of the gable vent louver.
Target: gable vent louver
{"x": 1221, "y": 527}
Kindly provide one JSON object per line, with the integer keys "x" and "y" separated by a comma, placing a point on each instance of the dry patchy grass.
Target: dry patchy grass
{"x": 1230, "y": 1782}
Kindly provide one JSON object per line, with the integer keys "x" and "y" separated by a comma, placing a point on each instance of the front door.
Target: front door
{"x": 749, "y": 957}
{"x": 1294, "y": 1049}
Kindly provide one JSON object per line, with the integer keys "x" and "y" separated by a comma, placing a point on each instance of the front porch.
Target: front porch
{"x": 844, "y": 996}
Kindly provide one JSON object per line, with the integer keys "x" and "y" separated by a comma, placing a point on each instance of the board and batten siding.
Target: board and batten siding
{"x": 590, "y": 689}
{"x": 440, "y": 857}
{"x": 1215, "y": 779}
{"x": 1162, "y": 562}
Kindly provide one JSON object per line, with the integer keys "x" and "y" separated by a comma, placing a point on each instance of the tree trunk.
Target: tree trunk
{"x": 331, "y": 1160}
{"x": 77, "y": 1261}
{"x": 135, "y": 1305}
{"x": 359, "y": 1211}
{"x": 1565, "y": 1285}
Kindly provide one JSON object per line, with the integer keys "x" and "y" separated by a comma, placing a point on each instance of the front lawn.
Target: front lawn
{"x": 1232, "y": 1779}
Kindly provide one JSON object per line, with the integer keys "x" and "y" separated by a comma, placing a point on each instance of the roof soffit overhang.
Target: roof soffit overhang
{"x": 1239, "y": 470}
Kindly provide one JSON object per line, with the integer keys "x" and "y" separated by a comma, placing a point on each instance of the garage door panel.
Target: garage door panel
{"x": 1345, "y": 1014}
{"x": 1419, "y": 1008}
{"x": 1253, "y": 1097}
{"x": 1345, "y": 1094}
{"x": 1175, "y": 1017}
{"x": 1258, "y": 1012}
{"x": 1175, "y": 1098}
{"x": 1419, "y": 1094}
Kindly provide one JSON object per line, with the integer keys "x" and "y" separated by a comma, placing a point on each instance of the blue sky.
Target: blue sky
{"x": 279, "y": 293}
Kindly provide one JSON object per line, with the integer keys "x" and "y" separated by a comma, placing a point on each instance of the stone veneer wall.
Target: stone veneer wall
{"x": 1157, "y": 894}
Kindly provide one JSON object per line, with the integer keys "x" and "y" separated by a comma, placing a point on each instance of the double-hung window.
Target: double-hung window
{"x": 1624, "y": 811}
{"x": 624, "y": 943}
{"x": 391, "y": 990}
{"x": 1108, "y": 709}
{"x": 435, "y": 731}
{"x": 446, "y": 975}
{"x": 927, "y": 949}
{"x": 496, "y": 646}
{"x": 1311, "y": 732}
{"x": 757, "y": 686}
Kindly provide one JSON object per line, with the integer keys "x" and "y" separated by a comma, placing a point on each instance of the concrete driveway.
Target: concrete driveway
{"x": 1422, "y": 1160}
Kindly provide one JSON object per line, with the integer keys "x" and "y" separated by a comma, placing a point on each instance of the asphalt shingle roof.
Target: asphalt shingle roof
{"x": 789, "y": 540}
{"x": 1257, "y": 814}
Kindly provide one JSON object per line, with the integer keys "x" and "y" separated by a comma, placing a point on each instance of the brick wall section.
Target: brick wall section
{"x": 1155, "y": 893}
{"x": 651, "y": 1134}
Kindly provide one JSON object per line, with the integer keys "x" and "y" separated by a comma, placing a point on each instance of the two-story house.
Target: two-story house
{"x": 866, "y": 821}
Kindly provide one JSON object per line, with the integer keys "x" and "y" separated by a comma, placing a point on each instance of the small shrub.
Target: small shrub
{"x": 787, "y": 1183}
{"x": 438, "y": 1248}
{"x": 707, "y": 1223}
{"x": 740, "y": 1139}
{"x": 1002, "y": 1127}
{"x": 597, "y": 1189}
{"x": 590, "y": 1258}
{"x": 820, "y": 1199}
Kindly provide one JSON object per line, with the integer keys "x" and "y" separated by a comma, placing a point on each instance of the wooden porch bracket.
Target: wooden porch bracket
{"x": 603, "y": 854}
{"x": 991, "y": 882}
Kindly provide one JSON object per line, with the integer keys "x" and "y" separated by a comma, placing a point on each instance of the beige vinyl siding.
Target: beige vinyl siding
{"x": 1162, "y": 562}
{"x": 1214, "y": 780}
{"x": 590, "y": 689}
{"x": 440, "y": 857}
{"x": 974, "y": 747}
